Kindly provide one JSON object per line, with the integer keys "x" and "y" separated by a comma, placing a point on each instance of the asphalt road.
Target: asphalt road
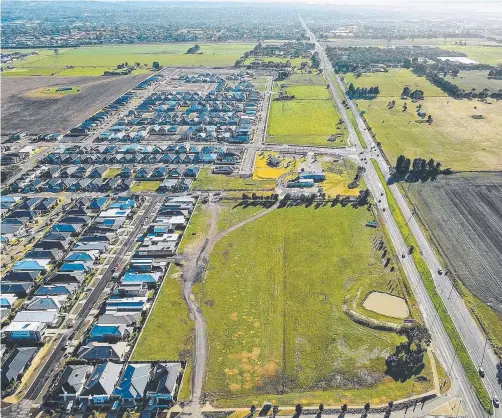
{"x": 47, "y": 371}
{"x": 467, "y": 327}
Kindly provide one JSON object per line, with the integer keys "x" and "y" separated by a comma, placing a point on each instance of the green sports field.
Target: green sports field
{"x": 263, "y": 342}
{"x": 309, "y": 119}
{"x": 94, "y": 60}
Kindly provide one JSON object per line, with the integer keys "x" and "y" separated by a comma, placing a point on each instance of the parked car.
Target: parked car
{"x": 481, "y": 372}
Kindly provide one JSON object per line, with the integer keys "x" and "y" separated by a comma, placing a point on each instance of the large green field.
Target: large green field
{"x": 346, "y": 42}
{"x": 310, "y": 119}
{"x": 391, "y": 83}
{"x": 208, "y": 181}
{"x": 263, "y": 342}
{"x": 455, "y": 138}
{"x": 477, "y": 79}
{"x": 94, "y": 60}
{"x": 483, "y": 54}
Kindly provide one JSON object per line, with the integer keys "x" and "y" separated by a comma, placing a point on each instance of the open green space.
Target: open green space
{"x": 94, "y": 60}
{"x": 295, "y": 62}
{"x": 209, "y": 181}
{"x": 263, "y": 342}
{"x": 145, "y": 186}
{"x": 197, "y": 226}
{"x": 391, "y": 83}
{"x": 346, "y": 42}
{"x": 455, "y": 138}
{"x": 168, "y": 331}
{"x": 424, "y": 271}
{"x": 112, "y": 172}
{"x": 483, "y": 54}
{"x": 232, "y": 212}
{"x": 476, "y": 79}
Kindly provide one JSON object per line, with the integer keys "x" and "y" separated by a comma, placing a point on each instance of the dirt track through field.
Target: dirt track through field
{"x": 465, "y": 214}
{"x": 195, "y": 264}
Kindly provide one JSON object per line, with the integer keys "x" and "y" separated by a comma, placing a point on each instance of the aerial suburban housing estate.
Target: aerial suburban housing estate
{"x": 251, "y": 209}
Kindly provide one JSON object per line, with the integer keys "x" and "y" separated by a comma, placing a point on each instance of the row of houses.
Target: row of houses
{"x": 99, "y": 375}
{"x": 93, "y": 122}
{"x": 116, "y": 385}
{"x": 20, "y": 214}
{"x": 52, "y": 275}
{"x": 59, "y": 185}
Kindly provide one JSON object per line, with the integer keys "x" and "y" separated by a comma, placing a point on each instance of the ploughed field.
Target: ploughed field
{"x": 274, "y": 297}
{"x": 463, "y": 212}
{"x": 25, "y": 109}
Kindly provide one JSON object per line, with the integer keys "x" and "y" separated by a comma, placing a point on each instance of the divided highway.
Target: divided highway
{"x": 473, "y": 338}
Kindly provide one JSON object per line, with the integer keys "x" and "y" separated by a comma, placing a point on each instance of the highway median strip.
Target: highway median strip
{"x": 455, "y": 338}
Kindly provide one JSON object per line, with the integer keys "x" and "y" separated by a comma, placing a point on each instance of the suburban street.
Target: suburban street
{"x": 48, "y": 370}
{"x": 464, "y": 322}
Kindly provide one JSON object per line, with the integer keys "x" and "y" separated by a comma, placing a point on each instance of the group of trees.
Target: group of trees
{"x": 453, "y": 90}
{"x": 362, "y": 92}
{"x": 415, "y": 94}
{"x": 315, "y": 60}
{"x": 193, "y": 50}
{"x": 407, "y": 360}
{"x": 495, "y": 73}
{"x": 419, "y": 169}
{"x": 274, "y": 197}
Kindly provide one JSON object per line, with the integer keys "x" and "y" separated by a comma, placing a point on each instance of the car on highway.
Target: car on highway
{"x": 496, "y": 402}
{"x": 440, "y": 271}
{"x": 481, "y": 372}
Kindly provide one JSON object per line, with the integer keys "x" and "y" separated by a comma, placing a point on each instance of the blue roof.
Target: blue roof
{"x": 64, "y": 228}
{"x": 74, "y": 267}
{"x": 79, "y": 256}
{"x": 102, "y": 330}
{"x": 138, "y": 278}
{"x": 27, "y": 265}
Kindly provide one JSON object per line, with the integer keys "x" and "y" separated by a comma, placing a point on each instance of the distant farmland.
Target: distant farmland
{"x": 464, "y": 213}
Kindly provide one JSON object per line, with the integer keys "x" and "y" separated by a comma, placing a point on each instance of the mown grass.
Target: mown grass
{"x": 477, "y": 79}
{"x": 208, "y": 181}
{"x": 310, "y": 119}
{"x": 163, "y": 339}
{"x": 264, "y": 284}
{"x": 199, "y": 222}
{"x": 455, "y": 138}
{"x": 94, "y": 60}
{"x": 424, "y": 271}
{"x": 391, "y": 83}
{"x": 145, "y": 186}
{"x": 483, "y": 54}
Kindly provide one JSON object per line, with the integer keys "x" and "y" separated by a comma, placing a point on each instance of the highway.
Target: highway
{"x": 48, "y": 370}
{"x": 464, "y": 322}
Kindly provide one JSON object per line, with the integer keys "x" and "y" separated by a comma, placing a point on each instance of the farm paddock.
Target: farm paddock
{"x": 264, "y": 283}
{"x": 20, "y": 112}
{"x": 464, "y": 215}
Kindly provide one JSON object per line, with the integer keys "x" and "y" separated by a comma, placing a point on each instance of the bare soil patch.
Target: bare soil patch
{"x": 385, "y": 304}
{"x": 45, "y": 114}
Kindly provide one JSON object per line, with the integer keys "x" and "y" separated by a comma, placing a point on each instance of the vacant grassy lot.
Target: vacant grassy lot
{"x": 475, "y": 79}
{"x": 112, "y": 172}
{"x": 391, "y": 83}
{"x": 233, "y": 212}
{"x": 346, "y": 42}
{"x": 208, "y": 181}
{"x": 462, "y": 213}
{"x": 94, "y": 60}
{"x": 163, "y": 339}
{"x": 263, "y": 342}
{"x": 53, "y": 92}
{"x": 455, "y": 138}
{"x": 339, "y": 174}
{"x": 483, "y": 54}
{"x": 310, "y": 119}
{"x": 145, "y": 186}
{"x": 198, "y": 225}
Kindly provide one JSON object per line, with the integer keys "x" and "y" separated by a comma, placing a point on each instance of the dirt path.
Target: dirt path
{"x": 195, "y": 264}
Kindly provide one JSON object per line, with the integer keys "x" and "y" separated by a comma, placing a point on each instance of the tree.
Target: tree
{"x": 252, "y": 409}
{"x": 245, "y": 196}
{"x": 298, "y": 408}
{"x": 418, "y": 336}
{"x": 400, "y": 163}
{"x": 406, "y": 92}
{"x": 407, "y": 63}
{"x": 156, "y": 65}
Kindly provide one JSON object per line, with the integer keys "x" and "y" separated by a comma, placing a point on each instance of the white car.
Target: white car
{"x": 496, "y": 402}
